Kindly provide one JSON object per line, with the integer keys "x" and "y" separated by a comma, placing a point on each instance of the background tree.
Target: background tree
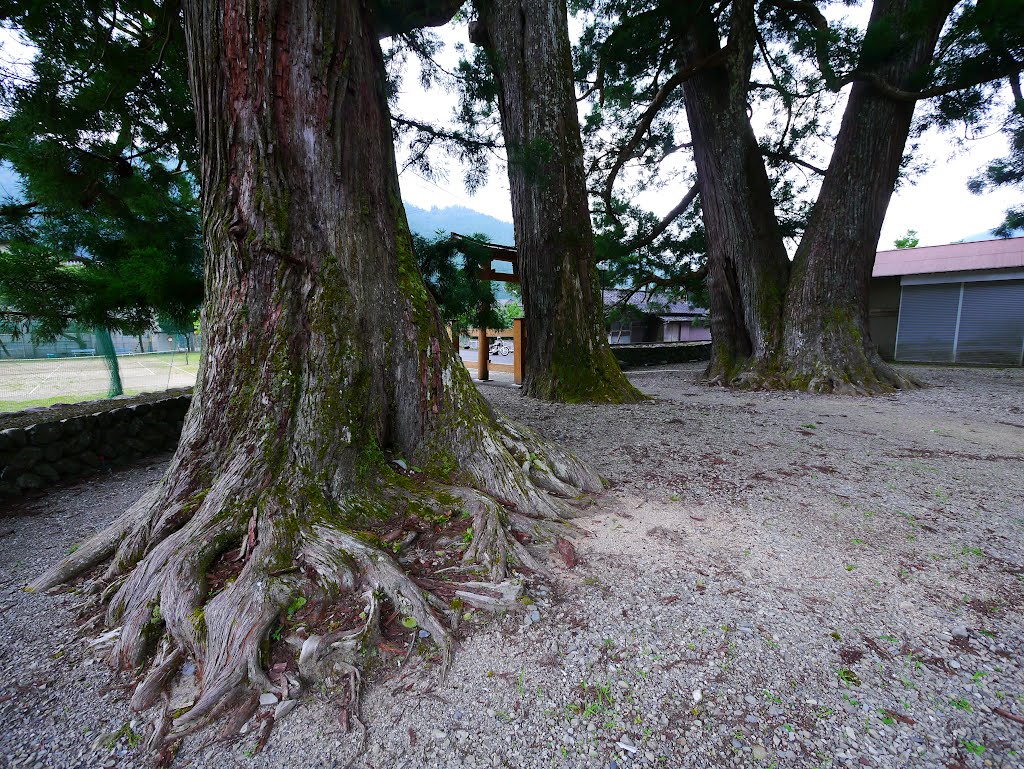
{"x": 1008, "y": 171}
{"x": 99, "y": 127}
{"x": 911, "y": 50}
{"x": 450, "y": 268}
{"x": 804, "y": 325}
{"x": 638, "y": 142}
{"x": 324, "y": 359}
{"x": 567, "y": 357}
{"x": 910, "y": 240}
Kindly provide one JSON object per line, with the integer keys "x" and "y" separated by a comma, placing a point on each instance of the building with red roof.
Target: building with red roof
{"x": 957, "y": 303}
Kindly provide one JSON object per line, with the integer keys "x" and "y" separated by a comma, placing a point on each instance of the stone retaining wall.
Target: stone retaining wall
{"x": 58, "y": 450}
{"x": 632, "y": 355}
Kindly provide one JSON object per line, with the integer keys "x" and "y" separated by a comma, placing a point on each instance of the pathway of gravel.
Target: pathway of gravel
{"x": 772, "y": 580}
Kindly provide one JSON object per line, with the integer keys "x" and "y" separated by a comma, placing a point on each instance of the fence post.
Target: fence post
{"x": 481, "y": 353}
{"x": 517, "y": 351}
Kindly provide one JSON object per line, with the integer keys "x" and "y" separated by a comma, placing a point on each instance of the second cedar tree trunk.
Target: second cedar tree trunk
{"x": 567, "y": 356}
{"x": 827, "y": 345}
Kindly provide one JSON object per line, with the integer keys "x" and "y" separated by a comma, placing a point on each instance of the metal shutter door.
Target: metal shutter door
{"x": 992, "y": 323}
{"x": 927, "y": 323}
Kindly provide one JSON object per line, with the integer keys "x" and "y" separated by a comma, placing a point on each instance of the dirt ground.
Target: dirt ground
{"x": 771, "y": 580}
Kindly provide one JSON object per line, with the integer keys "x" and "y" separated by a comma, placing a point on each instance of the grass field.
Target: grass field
{"x": 43, "y": 382}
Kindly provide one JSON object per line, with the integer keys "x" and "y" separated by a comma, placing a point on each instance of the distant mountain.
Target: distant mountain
{"x": 459, "y": 219}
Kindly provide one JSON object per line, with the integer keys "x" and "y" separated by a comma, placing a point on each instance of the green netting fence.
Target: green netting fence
{"x": 93, "y": 365}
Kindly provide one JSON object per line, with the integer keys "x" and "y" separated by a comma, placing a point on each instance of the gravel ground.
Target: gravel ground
{"x": 772, "y": 580}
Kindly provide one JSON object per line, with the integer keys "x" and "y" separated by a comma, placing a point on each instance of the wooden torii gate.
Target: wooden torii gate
{"x": 507, "y": 254}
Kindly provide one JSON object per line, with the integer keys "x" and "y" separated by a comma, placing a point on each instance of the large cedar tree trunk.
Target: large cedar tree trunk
{"x": 827, "y": 344}
{"x": 567, "y": 353}
{"x": 806, "y": 326}
{"x": 324, "y": 360}
{"x": 747, "y": 262}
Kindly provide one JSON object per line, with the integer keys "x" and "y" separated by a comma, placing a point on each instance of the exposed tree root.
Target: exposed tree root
{"x": 866, "y": 374}
{"x": 218, "y": 575}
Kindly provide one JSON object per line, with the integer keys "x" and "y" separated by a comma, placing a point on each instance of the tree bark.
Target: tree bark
{"x": 827, "y": 346}
{"x": 801, "y": 327}
{"x": 325, "y": 363}
{"x": 567, "y": 355}
{"x": 747, "y": 262}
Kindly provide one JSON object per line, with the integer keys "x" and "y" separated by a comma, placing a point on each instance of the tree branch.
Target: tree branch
{"x": 395, "y": 17}
{"x": 1018, "y": 96}
{"x": 651, "y": 282}
{"x": 18, "y": 210}
{"x": 810, "y": 11}
{"x": 789, "y": 157}
{"x": 681, "y": 208}
{"x": 457, "y": 137}
{"x": 814, "y": 16}
{"x": 898, "y": 94}
{"x": 648, "y": 116}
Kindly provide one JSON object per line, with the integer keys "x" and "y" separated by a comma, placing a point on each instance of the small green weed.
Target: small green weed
{"x": 848, "y": 677}
{"x": 295, "y": 605}
{"x": 973, "y": 747}
{"x": 125, "y": 731}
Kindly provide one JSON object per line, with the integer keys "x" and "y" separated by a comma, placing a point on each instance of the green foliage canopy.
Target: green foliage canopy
{"x": 450, "y": 268}
{"x": 99, "y": 126}
{"x": 910, "y": 240}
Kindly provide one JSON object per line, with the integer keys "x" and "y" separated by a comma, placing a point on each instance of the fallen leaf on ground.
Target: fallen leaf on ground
{"x": 567, "y": 551}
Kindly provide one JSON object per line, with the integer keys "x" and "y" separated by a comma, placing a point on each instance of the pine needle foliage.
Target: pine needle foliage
{"x": 97, "y": 123}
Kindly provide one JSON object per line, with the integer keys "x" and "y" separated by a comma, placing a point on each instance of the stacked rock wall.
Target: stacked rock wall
{"x": 37, "y": 456}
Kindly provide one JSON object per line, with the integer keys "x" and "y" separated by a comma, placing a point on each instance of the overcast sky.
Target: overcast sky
{"x": 937, "y": 204}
